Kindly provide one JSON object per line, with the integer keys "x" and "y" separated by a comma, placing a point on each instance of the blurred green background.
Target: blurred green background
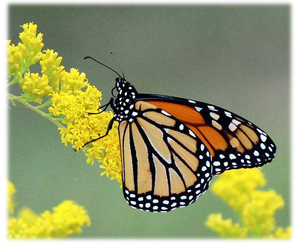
{"x": 233, "y": 56}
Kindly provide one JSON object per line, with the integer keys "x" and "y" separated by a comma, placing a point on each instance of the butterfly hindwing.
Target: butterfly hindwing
{"x": 165, "y": 165}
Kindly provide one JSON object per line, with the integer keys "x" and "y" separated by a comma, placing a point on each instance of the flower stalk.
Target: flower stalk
{"x": 37, "y": 109}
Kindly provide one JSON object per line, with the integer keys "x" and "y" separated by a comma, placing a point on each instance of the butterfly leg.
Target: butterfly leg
{"x": 109, "y": 127}
{"x": 103, "y": 107}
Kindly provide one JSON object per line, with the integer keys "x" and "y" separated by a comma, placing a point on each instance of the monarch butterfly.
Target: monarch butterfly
{"x": 171, "y": 147}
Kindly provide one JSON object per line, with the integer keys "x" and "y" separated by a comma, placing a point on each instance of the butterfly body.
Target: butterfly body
{"x": 172, "y": 147}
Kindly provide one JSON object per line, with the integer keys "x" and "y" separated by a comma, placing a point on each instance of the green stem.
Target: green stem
{"x": 35, "y": 109}
{"x": 14, "y": 81}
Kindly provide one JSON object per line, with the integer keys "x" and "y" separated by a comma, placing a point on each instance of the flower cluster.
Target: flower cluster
{"x": 81, "y": 127}
{"x": 27, "y": 53}
{"x": 225, "y": 228}
{"x": 256, "y": 208}
{"x": 70, "y": 100}
{"x": 66, "y": 219}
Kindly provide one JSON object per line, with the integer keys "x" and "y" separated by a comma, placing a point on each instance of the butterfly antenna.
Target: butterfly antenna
{"x": 119, "y": 64}
{"x": 89, "y": 57}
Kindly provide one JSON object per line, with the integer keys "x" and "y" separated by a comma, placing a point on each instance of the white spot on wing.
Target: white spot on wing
{"x": 214, "y": 115}
{"x": 216, "y": 163}
{"x": 263, "y": 137}
{"x": 232, "y": 156}
{"x": 198, "y": 109}
{"x": 228, "y": 114}
{"x": 192, "y": 134}
{"x": 165, "y": 113}
{"x": 236, "y": 122}
{"x": 202, "y": 147}
{"x": 212, "y": 108}
{"x": 232, "y": 127}
{"x": 181, "y": 127}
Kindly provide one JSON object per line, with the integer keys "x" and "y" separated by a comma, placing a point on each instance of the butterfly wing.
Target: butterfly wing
{"x": 232, "y": 141}
{"x": 172, "y": 147}
{"x": 165, "y": 165}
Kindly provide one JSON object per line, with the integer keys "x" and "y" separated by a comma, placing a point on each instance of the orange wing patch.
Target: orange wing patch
{"x": 184, "y": 113}
{"x": 212, "y": 139}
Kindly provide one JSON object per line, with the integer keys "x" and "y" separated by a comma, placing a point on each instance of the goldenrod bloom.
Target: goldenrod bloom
{"x": 283, "y": 233}
{"x": 34, "y": 86}
{"x": 10, "y": 199}
{"x": 70, "y": 99}
{"x": 66, "y": 219}
{"x": 235, "y": 186}
{"x": 50, "y": 64}
{"x": 256, "y": 208}
{"x": 15, "y": 59}
{"x": 32, "y": 43}
{"x": 258, "y": 213}
{"x": 225, "y": 227}
{"x": 27, "y": 53}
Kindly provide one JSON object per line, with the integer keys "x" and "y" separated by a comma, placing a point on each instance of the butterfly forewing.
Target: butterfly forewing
{"x": 233, "y": 141}
{"x": 165, "y": 165}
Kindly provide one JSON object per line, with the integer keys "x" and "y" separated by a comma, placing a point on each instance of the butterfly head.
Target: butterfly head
{"x": 123, "y": 102}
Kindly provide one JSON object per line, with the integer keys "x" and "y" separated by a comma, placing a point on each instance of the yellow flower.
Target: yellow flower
{"x": 34, "y": 86}
{"x": 225, "y": 227}
{"x": 233, "y": 188}
{"x": 255, "y": 208}
{"x": 71, "y": 99}
{"x": 10, "y": 199}
{"x": 50, "y": 64}
{"x": 283, "y": 233}
{"x": 27, "y": 53}
{"x": 258, "y": 214}
{"x": 15, "y": 59}
{"x": 73, "y": 81}
{"x": 81, "y": 127}
{"x": 32, "y": 42}
{"x": 66, "y": 219}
